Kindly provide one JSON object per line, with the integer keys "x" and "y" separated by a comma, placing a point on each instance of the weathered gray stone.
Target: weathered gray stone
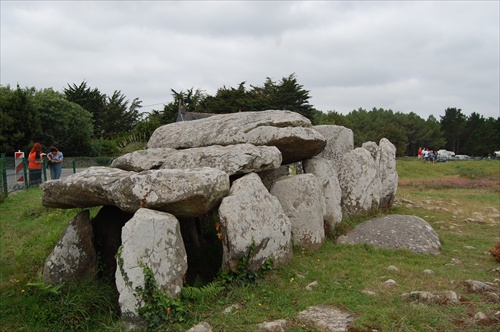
{"x": 301, "y": 199}
{"x": 368, "y": 292}
{"x": 326, "y": 318}
{"x": 324, "y": 170}
{"x": 390, "y": 283}
{"x": 479, "y": 316}
{"x": 232, "y": 159}
{"x": 150, "y": 239}
{"x": 451, "y": 297}
{"x": 184, "y": 193}
{"x": 479, "y": 286}
{"x": 231, "y": 308}
{"x": 270, "y": 176}
{"x": 388, "y": 173}
{"x": 74, "y": 256}
{"x": 88, "y": 188}
{"x": 311, "y": 285}
{"x": 339, "y": 141}
{"x": 384, "y": 156}
{"x": 249, "y": 214}
{"x": 422, "y": 297}
{"x": 428, "y": 297}
{"x": 372, "y": 147}
{"x": 395, "y": 232}
{"x": 359, "y": 182}
{"x": 201, "y": 327}
{"x": 290, "y": 132}
{"x": 143, "y": 160}
{"x": 274, "y": 326}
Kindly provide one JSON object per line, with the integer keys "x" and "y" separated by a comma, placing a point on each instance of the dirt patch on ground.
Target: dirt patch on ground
{"x": 454, "y": 181}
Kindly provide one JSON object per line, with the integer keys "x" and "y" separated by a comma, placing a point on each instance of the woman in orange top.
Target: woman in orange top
{"x": 35, "y": 162}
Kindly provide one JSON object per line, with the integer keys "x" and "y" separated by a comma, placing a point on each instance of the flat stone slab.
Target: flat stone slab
{"x": 183, "y": 193}
{"x": 326, "y": 318}
{"x": 292, "y": 133}
{"x": 395, "y": 232}
{"x": 232, "y": 159}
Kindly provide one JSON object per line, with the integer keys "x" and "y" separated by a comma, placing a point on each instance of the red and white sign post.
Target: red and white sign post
{"x": 19, "y": 156}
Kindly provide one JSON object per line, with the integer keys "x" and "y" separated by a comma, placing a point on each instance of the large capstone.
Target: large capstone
{"x": 290, "y": 132}
{"x": 184, "y": 193}
{"x": 232, "y": 159}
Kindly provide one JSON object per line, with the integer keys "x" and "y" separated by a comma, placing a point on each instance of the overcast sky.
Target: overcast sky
{"x": 422, "y": 56}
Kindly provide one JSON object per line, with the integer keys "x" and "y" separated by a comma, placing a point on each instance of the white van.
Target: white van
{"x": 447, "y": 154}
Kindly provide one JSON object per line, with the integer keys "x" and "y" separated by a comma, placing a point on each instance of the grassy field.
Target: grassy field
{"x": 459, "y": 199}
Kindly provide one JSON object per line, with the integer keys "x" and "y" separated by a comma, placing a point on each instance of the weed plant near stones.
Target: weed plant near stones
{"x": 459, "y": 203}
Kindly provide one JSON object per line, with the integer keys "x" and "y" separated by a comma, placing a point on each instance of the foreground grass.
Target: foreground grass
{"x": 458, "y": 199}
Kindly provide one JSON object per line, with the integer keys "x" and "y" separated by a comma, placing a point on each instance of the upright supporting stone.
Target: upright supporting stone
{"x": 360, "y": 183}
{"x": 150, "y": 240}
{"x": 301, "y": 199}
{"x": 250, "y": 215}
{"x": 326, "y": 173}
{"x": 74, "y": 256}
{"x": 388, "y": 173}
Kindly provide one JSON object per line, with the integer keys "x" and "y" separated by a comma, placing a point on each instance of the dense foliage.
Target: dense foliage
{"x": 112, "y": 115}
{"x": 83, "y": 121}
{"x": 46, "y": 116}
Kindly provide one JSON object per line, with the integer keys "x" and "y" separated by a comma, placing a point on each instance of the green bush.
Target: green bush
{"x": 102, "y": 147}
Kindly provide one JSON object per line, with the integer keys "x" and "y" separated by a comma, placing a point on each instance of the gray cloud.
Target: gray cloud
{"x": 417, "y": 57}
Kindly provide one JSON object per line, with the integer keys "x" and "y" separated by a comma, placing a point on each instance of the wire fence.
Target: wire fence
{"x": 14, "y": 173}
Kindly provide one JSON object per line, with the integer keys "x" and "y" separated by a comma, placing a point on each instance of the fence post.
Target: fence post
{"x": 44, "y": 170}
{"x": 4, "y": 175}
{"x": 25, "y": 170}
{"x": 74, "y": 166}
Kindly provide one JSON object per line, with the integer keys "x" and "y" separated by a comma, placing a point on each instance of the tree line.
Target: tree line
{"x": 83, "y": 121}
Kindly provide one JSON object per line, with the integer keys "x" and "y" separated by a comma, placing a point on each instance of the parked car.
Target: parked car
{"x": 462, "y": 157}
{"x": 447, "y": 154}
{"x": 441, "y": 158}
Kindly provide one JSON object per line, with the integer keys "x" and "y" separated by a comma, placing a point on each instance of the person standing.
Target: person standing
{"x": 431, "y": 156}
{"x": 35, "y": 163}
{"x": 55, "y": 159}
{"x": 425, "y": 154}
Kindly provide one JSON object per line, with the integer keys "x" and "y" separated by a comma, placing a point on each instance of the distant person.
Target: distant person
{"x": 425, "y": 154}
{"x": 431, "y": 156}
{"x": 35, "y": 163}
{"x": 419, "y": 153}
{"x": 55, "y": 159}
